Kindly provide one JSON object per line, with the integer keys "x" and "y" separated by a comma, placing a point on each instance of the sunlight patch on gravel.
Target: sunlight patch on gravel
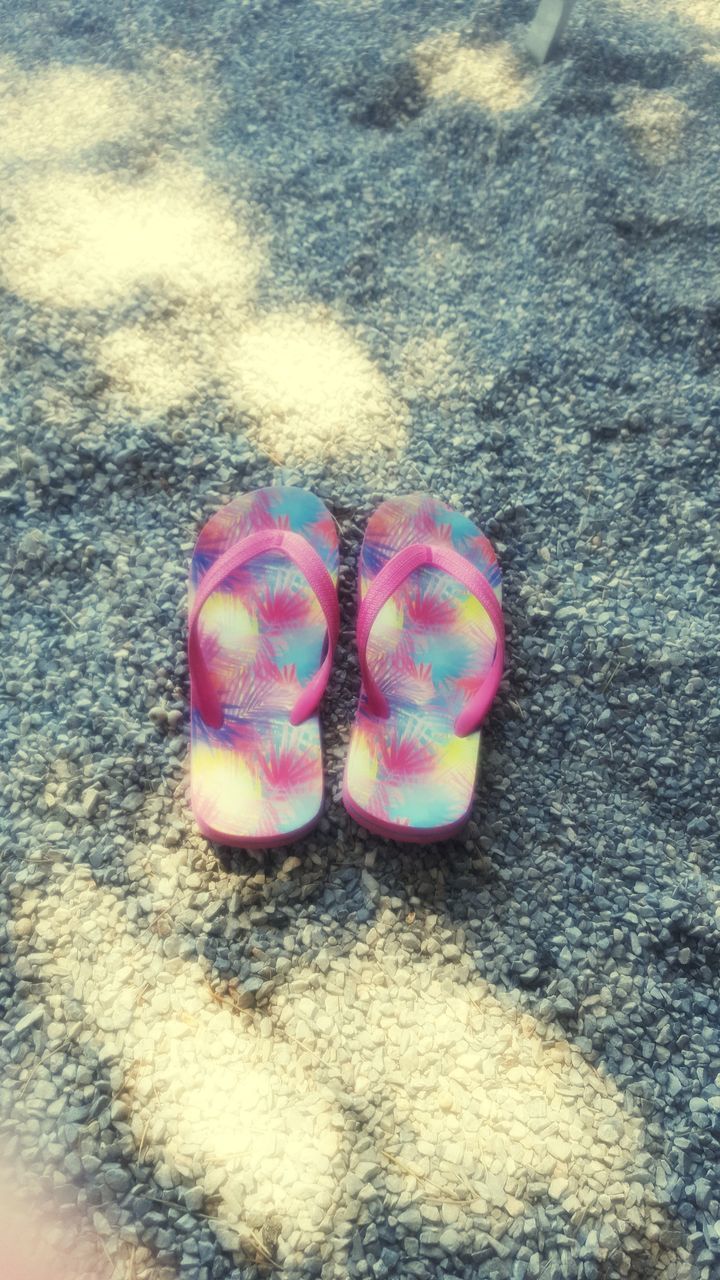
{"x": 214, "y": 1101}
{"x": 489, "y": 1109}
{"x": 305, "y": 386}
{"x": 154, "y": 367}
{"x": 59, "y": 109}
{"x": 476, "y": 1107}
{"x": 173, "y": 875}
{"x": 63, "y": 108}
{"x": 491, "y": 76}
{"x": 162, "y": 233}
{"x": 88, "y": 240}
{"x": 310, "y": 389}
{"x": 655, "y": 121}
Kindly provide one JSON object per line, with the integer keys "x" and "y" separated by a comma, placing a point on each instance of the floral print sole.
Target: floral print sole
{"x": 258, "y": 779}
{"x": 410, "y": 775}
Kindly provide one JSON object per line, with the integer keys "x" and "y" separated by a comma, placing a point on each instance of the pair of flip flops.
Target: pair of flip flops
{"x": 263, "y": 625}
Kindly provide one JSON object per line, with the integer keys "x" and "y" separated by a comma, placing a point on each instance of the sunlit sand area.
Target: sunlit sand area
{"x": 364, "y": 249}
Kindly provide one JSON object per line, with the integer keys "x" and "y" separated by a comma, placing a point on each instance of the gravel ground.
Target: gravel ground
{"x": 370, "y": 249}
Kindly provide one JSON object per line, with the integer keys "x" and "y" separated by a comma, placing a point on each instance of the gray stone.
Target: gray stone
{"x": 117, "y": 1178}
{"x": 30, "y": 1019}
{"x": 90, "y": 800}
{"x": 410, "y": 1219}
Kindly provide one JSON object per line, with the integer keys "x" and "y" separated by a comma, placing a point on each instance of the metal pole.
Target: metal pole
{"x": 547, "y": 27}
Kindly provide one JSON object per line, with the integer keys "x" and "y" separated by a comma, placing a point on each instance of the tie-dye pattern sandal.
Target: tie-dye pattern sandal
{"x": 263, "y": 622}
{"x": 430, "y": 638}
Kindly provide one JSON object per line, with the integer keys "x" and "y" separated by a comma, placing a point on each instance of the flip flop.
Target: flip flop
{"x": 263, "y": 622}
{"x": 430, "y": 638}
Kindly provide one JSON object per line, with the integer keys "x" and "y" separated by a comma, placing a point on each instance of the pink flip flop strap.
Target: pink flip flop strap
{"x": 392, "y": 574}
{"x": 299, "y": 550}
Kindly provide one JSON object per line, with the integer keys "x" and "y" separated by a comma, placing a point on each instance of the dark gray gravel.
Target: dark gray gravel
{"x": 368, "y": 249}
